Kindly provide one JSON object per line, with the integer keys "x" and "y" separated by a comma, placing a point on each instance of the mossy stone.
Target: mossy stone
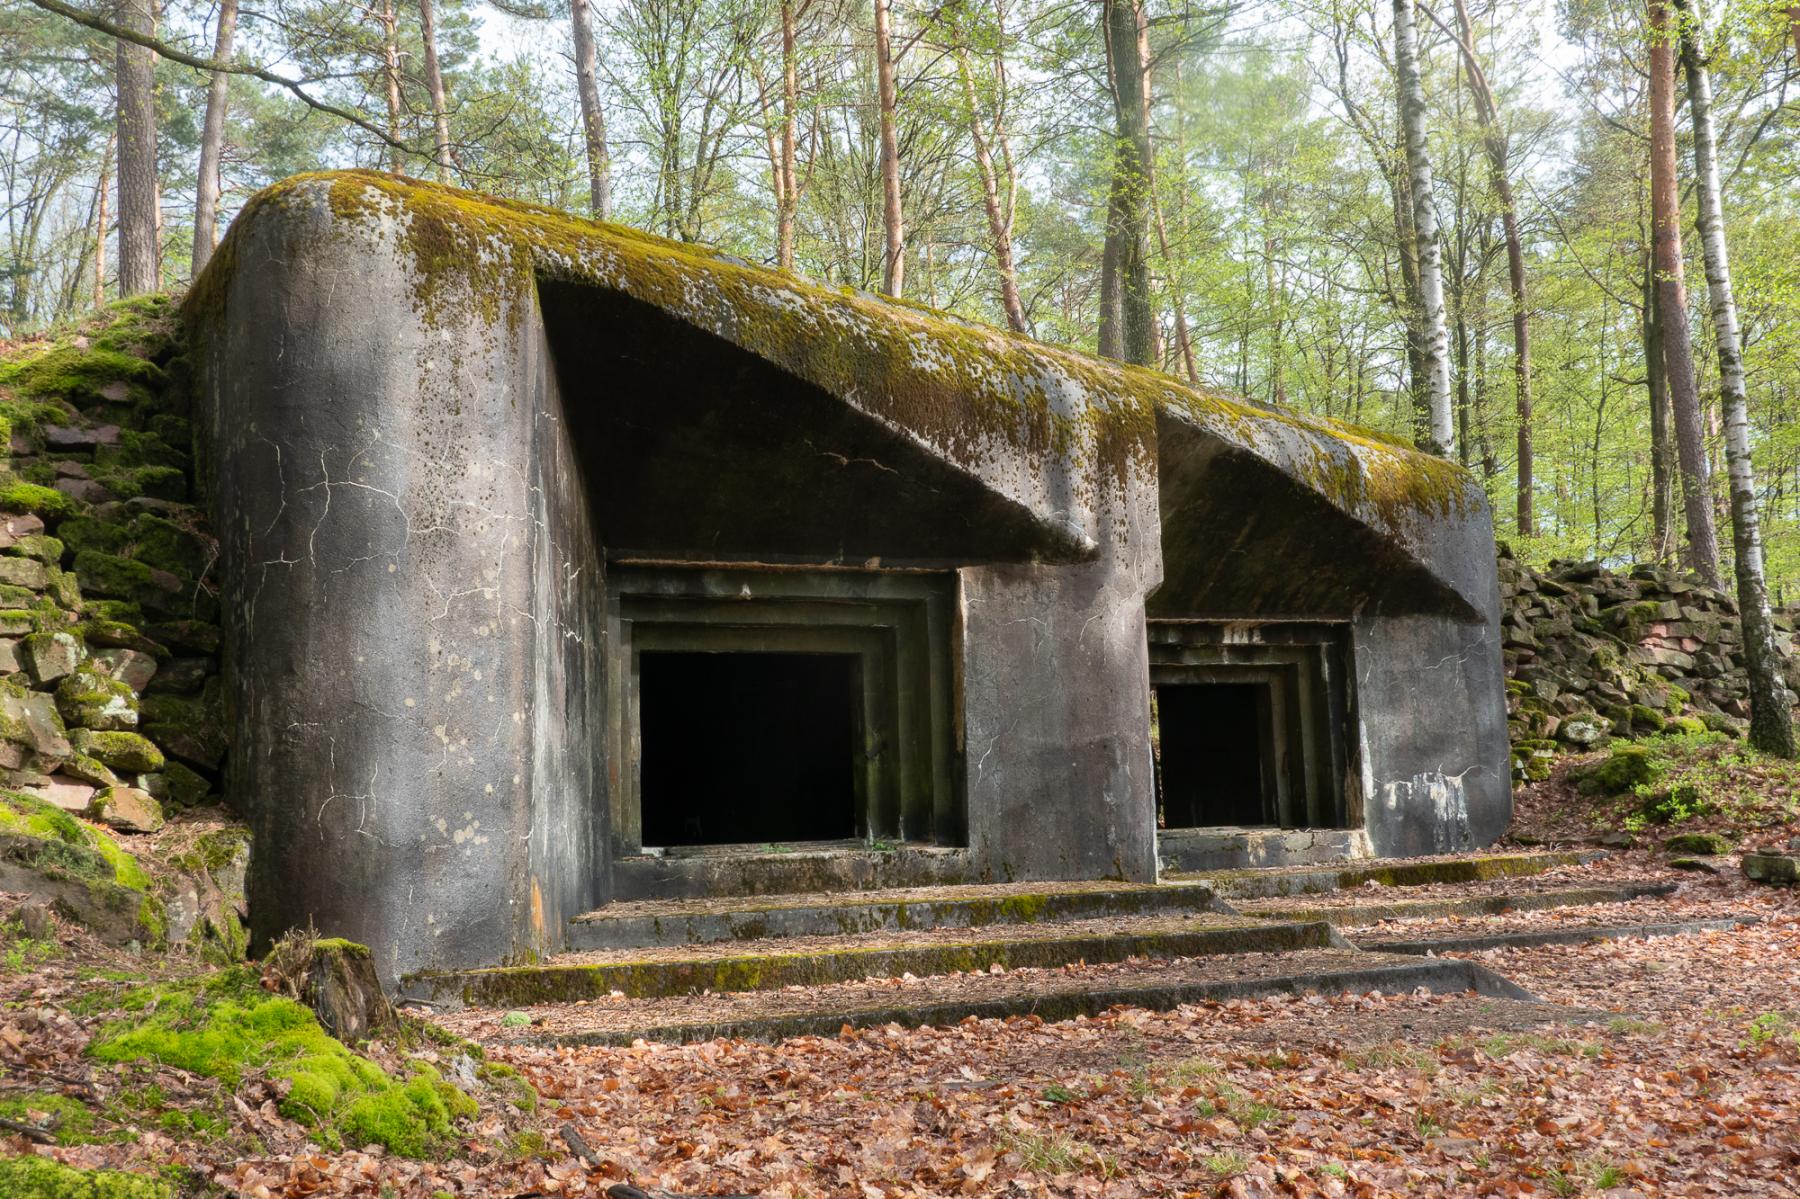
{"x": 46, "y": 502}
{"x": 91, "y": 533}
{"x": 23, "y": 572}
{"x": 137, "y": 448}
{"x": 1702, "y": 844}
{"x": 82, "y": 375}
{"x": 65, "y": 590}
{"x": 1627, "y": 767}
{"x": 132, "y": 753}
{"x": 28, "y": 816}
{"x": 157, "y": 482}
{"x": 111, "y": 574}
{"x": 90, "y": 770}
{"x": 168, "y": 546}
{"x": 114, "y": 610}
{"x": 1645, "y": 719}
{"x": 187, "y": 727}
{"x": 120, "y": 635}
{"x": 186, "y": 787}
{"x": 91, "y": 700}
{"x": 41, "y": 546}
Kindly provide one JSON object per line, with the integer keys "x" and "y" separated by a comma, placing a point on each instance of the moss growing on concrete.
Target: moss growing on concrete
{"x": 227, "y": 1027}
{"x": 33, "y": 1177}
{"x": 961, "y": 386}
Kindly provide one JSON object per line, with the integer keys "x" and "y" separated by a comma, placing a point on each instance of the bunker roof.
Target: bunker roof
{"x": 954, "y": 382}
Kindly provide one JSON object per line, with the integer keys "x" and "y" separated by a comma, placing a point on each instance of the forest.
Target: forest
{"x": 1439, "y": 221}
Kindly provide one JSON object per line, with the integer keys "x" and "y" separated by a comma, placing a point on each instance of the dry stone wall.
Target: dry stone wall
{"x": 1593, "y": 653}
{"x": 109, "y": 689}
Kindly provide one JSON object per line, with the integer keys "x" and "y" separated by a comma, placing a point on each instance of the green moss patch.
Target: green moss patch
{"x": 46, "y": 502}
{"x": 226, "y": 1027}
{"x": 29, "y": 816}
{"x": 40, "y": 1178}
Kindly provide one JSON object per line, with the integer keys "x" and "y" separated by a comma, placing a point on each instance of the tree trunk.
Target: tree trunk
{"x": 1662, "y": 474}
{"x": 1183, "y": 341}
{"x": 893, "y": 258}
{"x": 999, "y": 226}
{"x": 787, "y": 198}
{"x": 1496, "y": 143}
{"x": 593, "y": 117}
{"x": 136, "y": 81}
{"x": 1125, "y": 314}
{"x": 1435, "y": 335}
{"x": 212, "y": 142}
{"x": 1671, "y": 303}
{"x": 106, "y": 166}
{"x": 390, "y": 71}
{"x": 434, "y": 81}
{"x": 1771, "y": 720}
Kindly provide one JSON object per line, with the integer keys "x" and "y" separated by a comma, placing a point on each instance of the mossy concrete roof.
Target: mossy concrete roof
{"x": 958, "y": 385}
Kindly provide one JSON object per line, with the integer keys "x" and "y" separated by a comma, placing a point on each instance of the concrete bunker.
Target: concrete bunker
{"x": 565, "y": 565}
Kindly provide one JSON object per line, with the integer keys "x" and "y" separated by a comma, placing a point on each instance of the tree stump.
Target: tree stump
{"x": 336, "y": 979}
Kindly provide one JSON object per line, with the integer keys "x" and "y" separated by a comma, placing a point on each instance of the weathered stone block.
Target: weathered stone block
{"x": 23, "y": 572}
{"x": 30, "y": 718}
{"x": 1780, "y": 869}
{"x": 52, "y": 656}
{"x": 128, "y": 809}
{"x": 91, "y": 700}
{"x": 132, "y": 667}
{"x": 64, "y": 791}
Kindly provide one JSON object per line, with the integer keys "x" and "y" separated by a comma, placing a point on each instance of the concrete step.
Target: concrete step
{"x": 1442, "y": 942}
{"x": 1055, "y": 995}
{"x": 1190, "y": 849}
{"x": 652, "y": 922}
{"x": 812, "y": 961}
{"x": 1232, "y": 885}
{"x": 702, "y": 871}
{"x": 1359, "y": 913}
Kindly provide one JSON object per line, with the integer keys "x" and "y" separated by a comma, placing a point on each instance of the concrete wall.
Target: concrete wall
{"x": 395, "y": 554}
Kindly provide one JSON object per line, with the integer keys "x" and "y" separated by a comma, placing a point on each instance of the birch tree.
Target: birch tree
{"x": 893, "y": 261}
{"x": 1434, "y": 331}
{"x": 999, "y": 178}
{"x": 1771, "y": 722}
